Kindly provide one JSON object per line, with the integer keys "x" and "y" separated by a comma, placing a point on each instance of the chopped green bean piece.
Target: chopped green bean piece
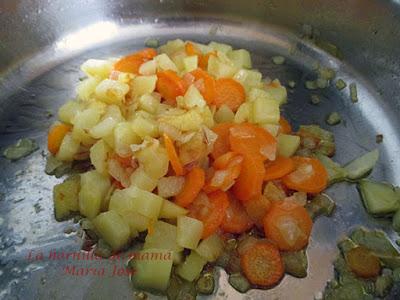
{"x": 296, "y": 263}
{"x": 22, "y": 148}
{"x": 311, "y": 85}
{"x": 333, "y": 119}
{"x": 322, "y": 83}
{"x": 292, "y": 84}
{"x": 340, "y": 84}
{"x": 205, "y": 284}
{"x": 152, "y": 43}
{"x": 327, "y": 73}
{"x": 315, "y": 99}
{"x": 320, "y": 205}
{"x": 278, "y": 60}
{"x": 353, "y": 92}
{"x": 383, "y": 285}
{"x": 239, "y": 282}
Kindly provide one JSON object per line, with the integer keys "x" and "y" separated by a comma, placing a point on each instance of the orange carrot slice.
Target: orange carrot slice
{"x": 221, "y": 145}
{"x": 56, "y": 136}
{"x": 194, "y": 182}
{"x": 236, "y": 219}
{"x": 309, "y": 176}
{"x": 288, "y": 224}
{"x": 210, "y": 209}
{"x": 286, "y": 128}
{"x": 278, "y": 168}
{"x": 262, "y": 264}
{"x": 132, "y": 62}
{"x": 229, "y": 92}
{"x": 170, "y": 85}
{"x": 252, "y": 140}
{"x": 206, "y": 85}
{"x": 173, "y": 156}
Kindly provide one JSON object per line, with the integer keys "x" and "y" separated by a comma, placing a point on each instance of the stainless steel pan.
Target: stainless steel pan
{"x": 42, "y": 44}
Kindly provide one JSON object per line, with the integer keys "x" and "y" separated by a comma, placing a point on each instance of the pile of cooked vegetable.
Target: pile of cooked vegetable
{"x": 191, "y": 158}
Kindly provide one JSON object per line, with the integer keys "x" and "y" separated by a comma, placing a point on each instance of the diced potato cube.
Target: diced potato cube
{"x": 162, "y": 237}
{"x": 189, "y": 121}
{"x": 287, "y": 144}
{"x": 154, "y": 160}
{"x": 149, "y": 103}
{"x": 111, "y": 91}
{"x": 124, "y": 136}
{"x": 170, "y": 210}
{"x": 113, "y": 229}
{"x": 211, "y": 248}
{"x": 146, "y": 203}
{"x": 189, "y": 232}
{"x": 207, "y": 115}
{"x": 273, "y": 129}
{"x": 190, "y": 63}
{"x": 266, "y": 111}
{"x": 142, "y": 180}
{"x": 178, "y": 58}
{"x": 98, "y": 156}
{"x": 165, "y": 63}
{"x": 243, "y": 113}
{"x": 85, "y": 120}
{"x": 65, "y": 196}
{"x": 249, "y": 78}
{"x": 240, "y": 58}
{"x": 192, "y": 98}
{"x": 103, "y": 128}
{"x": 86, "y": 88}
{"x": 152, "y": 269}
{"x": 145, "y": 127}
{"x": 224, "y": 48}
{"x": 256, "y": 93}
{"x": 94, "y": 188}
{"x": 68, "y": 148}
{"x": 148, "y": 68}
{"x": 172, "y": 46}
{"x": 192, "y": 266}
{"x": 67, "y": 112}
{"x": 143, "y": 85}
{"x": 136, "y": 222}
{"x": 224, "y": 114}
{"x": 220, "y": 69}
{"x": 97, "y": 67}
{"x": 277, "y": 91}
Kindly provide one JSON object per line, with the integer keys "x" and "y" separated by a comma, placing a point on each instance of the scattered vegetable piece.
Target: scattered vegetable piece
{"x": 315, "y": 99}
{"x": 320, "y": 205}
{"x": 194, "y": 182}
{"x": 22, "y": 148}
{"x": 296, "y": 263}
{"x": 205, "y": 284}
{"x": 362, "y": 165}
{"x": 278, "y": 60}
{"x": 333, "y": 118}
{"x": 353, "y": 92}
{"x": 239, "y": 282}
{"x": 340, "y": 84}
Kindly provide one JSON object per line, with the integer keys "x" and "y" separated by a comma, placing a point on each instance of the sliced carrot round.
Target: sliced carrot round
{"x": 210, "y": 209}
{"x": 262, "y": 264}
{"x": 229, "y": 92}
{"x": 288, "y": 224}
{"x": 249, "y": 139}
{"x": 194, "y": 182}
{"x": 286, "y": 128}
{"x": 363, "y": 262}
{"x": 203, "y": 59}
{"x": 173, "y": 156}
{"x": 221, "y": 145}
{"x": 56, "y": 136}
{"x": 170, "y": 85}
{"x": 249, "y": 183}
{"x": 206, "y": 86}
{"x": 309, "y": 175}
{"x": 236, "y": 219}
{"x": 278, "y": 168}
{"x": 132, "y": 62}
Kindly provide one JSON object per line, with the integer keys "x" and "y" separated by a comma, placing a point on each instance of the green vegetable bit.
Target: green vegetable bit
{"x": 103, "y": 249}
{"x": 205, "y": 284}
{"x": 292, "y": 84}
{"x": 278, "y": 60}
{"x": 340, "y": 84}
{"x": 353, "y": 92}
{"x": 311, "y": 85}
{"x": 383, "y": 285}
{"x": 362, "y": 165}
{"x": 180, "y": 289}
{"x": 396, "y": 221}
{"x": 239, "y": 282}
{"x": 320, "y": 205}
{"x": 315, "y": 99}
{"x": 327, "y": 73}
{"x": 152, "y": 43}
{"x": 322, "y": 83}
{"x": 335, "y": 172}
{"x": 296, "y": 263}
{"x": 22, "y": 148}
{"x": 333, "y": 119}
